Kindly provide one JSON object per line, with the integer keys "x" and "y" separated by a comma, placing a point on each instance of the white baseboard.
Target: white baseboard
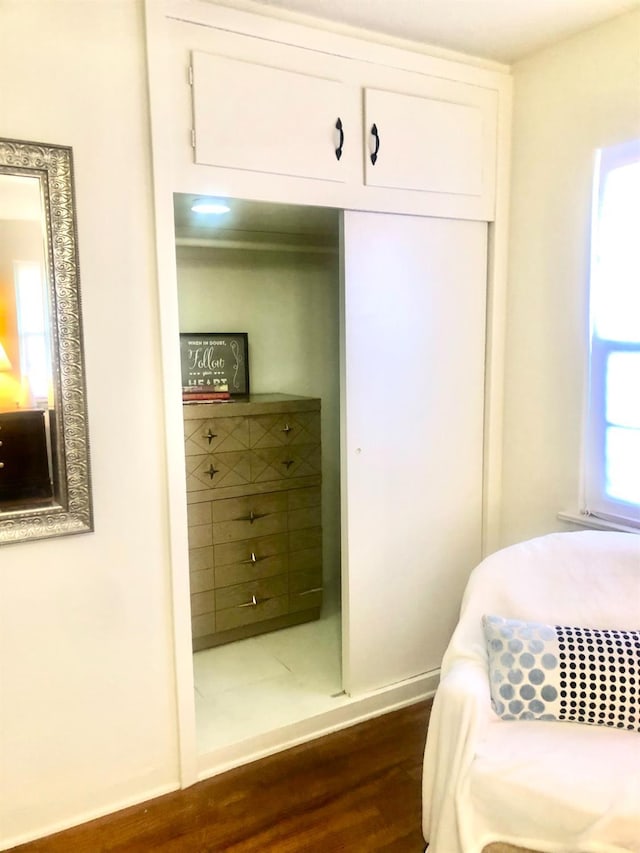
{"x": 85, "y": 817}
{"x": 354, "y": 710}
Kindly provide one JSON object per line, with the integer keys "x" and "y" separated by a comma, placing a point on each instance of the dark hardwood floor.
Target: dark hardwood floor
{"x": 356, "y": 790}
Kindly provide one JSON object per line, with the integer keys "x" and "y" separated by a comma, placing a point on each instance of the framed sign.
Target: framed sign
{"x": 215, "y": 361}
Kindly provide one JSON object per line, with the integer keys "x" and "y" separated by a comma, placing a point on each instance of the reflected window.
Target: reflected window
{"x": 33, "y": 330}
{"x": 612, "y": 468}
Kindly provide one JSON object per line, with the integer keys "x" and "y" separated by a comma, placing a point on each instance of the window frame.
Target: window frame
{"x": 595, "y": 500}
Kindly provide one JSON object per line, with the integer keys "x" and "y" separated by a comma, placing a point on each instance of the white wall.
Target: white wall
{"x": 569, "y": 100}
{"x": 288, "y": 304}
{"x": 87, "y": 698}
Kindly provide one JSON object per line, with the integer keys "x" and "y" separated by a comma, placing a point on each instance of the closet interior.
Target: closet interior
{"x": 263, "y": 469}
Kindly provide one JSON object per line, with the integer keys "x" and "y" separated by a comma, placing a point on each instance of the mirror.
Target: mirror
{"x": 44, "y": 447}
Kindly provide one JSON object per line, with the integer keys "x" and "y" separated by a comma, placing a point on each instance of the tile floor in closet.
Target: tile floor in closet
{"x": 252, "y": 686}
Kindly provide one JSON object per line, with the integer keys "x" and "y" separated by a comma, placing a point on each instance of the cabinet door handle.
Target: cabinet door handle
{"x": 376, "y": 136}
{"x": 211, "y": 471}
{"x": 286, "y": 428}
{"x": 210, "y": 436}
{"x": 341, "y": 142}
{"x": 288, "y": 463}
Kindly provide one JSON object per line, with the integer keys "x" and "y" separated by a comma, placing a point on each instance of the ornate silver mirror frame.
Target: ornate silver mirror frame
{"x": 67, "y": 508}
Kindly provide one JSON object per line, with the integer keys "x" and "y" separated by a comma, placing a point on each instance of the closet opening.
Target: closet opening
{"x": 263, "y": 468}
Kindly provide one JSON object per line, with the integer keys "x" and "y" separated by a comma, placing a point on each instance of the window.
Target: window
{"x": 33, "y": 326}
{"x": 612, "y": 457}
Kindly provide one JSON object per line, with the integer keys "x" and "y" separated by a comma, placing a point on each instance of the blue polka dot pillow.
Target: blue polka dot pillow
{"x": 550, "y": 672}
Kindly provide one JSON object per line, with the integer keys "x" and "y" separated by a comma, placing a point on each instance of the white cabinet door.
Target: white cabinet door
{"x": 414, "y": 321}
{"x": 265, "y": 119}
{"x": 442, "y": 141}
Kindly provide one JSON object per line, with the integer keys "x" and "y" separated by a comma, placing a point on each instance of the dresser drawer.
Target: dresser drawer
{"x": 201, "y": 581}
{"x": 246, "y": 559}
{"x": 249, "y": 517}
{"x": 202, "y": 603}
{"x": 245, "y": 571}
{"x": 285, "y": 463}
{"x": 215, "y": 435}
{"x": 246, "y": 603}
{"x": 202, "y": 626}
{"x": 262, "y": 612}
{"x": 218, "y": 470}
{"x": 200, "y": 559}
{"x": 284, "y": 429}
{"x": 305, "y": 589}
{"x": 24, "y": 465}
{"x": 307, "y": 539}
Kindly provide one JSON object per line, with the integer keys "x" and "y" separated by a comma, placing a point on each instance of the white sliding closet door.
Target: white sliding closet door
{"x": 414, "y": 342}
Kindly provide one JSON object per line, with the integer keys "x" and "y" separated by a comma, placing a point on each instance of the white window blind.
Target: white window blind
{"x": 612, "y": 449}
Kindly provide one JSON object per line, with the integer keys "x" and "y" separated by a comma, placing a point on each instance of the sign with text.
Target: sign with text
{"x": 215, "y": 361}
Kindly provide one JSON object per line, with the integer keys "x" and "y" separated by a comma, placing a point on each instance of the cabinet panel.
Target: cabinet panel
{"x": 445, "y": 143}
{"x": 265, "y": 119}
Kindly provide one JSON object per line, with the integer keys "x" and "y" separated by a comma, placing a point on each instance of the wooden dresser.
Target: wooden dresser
{"x": 254, "y": 513}
{"x": 24, "y": 461}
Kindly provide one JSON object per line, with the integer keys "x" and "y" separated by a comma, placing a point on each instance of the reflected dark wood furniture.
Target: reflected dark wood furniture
{"x": 24, "y": 460}
{"x": 253, "y": 469}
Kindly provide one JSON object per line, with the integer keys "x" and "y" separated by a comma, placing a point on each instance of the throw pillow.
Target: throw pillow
{"x": 551, "y": 672}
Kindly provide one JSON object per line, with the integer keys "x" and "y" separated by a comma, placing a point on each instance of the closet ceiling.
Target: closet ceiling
{"x": 503, "y": 30}
{"x": 255, "y": 221}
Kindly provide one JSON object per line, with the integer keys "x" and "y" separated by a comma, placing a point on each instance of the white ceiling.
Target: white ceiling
{"x": 503, "y": 30}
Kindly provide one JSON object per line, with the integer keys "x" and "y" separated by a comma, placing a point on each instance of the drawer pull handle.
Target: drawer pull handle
{"x": 254, "y": 602}
{"x": 311, "y": 591}
{"x": 252, "y": 560}
{"x": 212, "y": 472}
{"x": 210, "y": 435}
{"x": 341, "y": 142}
{"x": 253, "y": 516}
{"x": 288, "y": 463}
{"x": 376, "y": 136}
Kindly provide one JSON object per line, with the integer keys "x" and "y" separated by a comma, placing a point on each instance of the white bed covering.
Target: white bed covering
{"x": 551, "y": 786}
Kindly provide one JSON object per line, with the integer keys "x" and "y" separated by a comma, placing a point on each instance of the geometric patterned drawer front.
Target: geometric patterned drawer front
{"x": 217, "y": 470}
{"x": 216, "y": 434}
{"x": 236, "y": 617}
{"x": 249, "y": 507}
{"x": 249, "y": 517}
{"x": 249, "y": 551}
{"x": 282, "y": 463}
{"x": 243, "y": 593}
{"x": 281, "y": 430}
{"x": 246, "y": 571}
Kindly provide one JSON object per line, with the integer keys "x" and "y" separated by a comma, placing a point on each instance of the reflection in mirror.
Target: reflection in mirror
{"x": 44, "y": 461}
